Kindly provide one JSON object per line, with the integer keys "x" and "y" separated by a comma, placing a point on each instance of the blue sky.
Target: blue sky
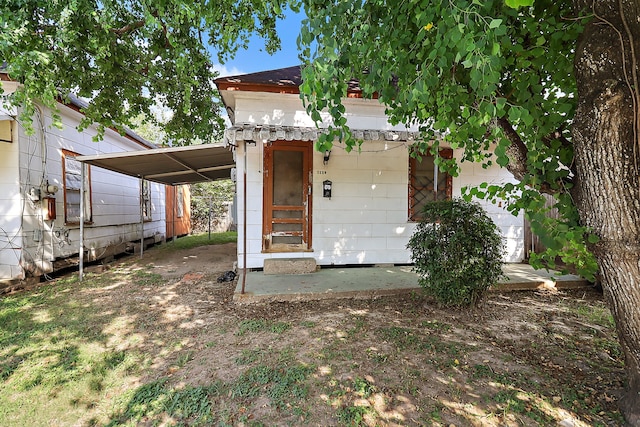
{"x": 255, "y": 58}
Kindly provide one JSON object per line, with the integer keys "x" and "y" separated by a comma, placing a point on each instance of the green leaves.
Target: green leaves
{"x": 553, "y": 218}
{"x": 518, "y": 3}
{"x": 495, "y": 23}
{"x": 493, "y": 78}
{"x": 126, "y": 56}
{"x": 457, "y": 251}
{"x": 501, "y": 152}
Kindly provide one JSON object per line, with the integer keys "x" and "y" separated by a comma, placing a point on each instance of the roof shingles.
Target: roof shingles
{"x": 282, "y": 80}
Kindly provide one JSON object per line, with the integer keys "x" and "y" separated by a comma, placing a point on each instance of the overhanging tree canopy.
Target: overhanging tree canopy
{"x": 475, "y": 75}
{"x": 127, "y": 55}
{"x": 553, "y": 85}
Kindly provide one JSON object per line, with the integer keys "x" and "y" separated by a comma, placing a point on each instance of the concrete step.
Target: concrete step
{"x": 289, "y": 266}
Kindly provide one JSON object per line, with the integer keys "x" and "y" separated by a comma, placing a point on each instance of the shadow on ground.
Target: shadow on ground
{"x": 159, "y": 341}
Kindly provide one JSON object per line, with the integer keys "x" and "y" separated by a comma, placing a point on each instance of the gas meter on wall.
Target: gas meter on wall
{"x": 34, "y": 194}
{"x": 50, "y": 189}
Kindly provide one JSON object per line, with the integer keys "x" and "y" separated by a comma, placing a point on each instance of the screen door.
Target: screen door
{"x": 287, "y": 196}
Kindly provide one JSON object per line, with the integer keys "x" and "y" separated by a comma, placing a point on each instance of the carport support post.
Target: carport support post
{"x": 210, "y": 199}
{"x": 141, "y": 216}
{"x": 81, "y": 249}
{"x": 244, "y": 220}
{"x": 174, "y": 194}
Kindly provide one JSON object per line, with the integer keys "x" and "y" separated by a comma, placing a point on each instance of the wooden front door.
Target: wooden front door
{"x": 287, "y": 196}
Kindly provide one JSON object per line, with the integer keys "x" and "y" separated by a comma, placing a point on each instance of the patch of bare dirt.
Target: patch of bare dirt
{"x": 202, "y": 259}
{"x": 527, "y": 358}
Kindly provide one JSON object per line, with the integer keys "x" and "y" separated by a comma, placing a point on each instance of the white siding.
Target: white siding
{"x": 258, "y": 108}
{"x": 37, "y": 159}
{"x": 512, "y": 227}
{"x": 10, "y": 210}
{"x": 365, "y": 221}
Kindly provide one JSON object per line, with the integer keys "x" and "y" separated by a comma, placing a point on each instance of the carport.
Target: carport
{"x": 169, "y": 166}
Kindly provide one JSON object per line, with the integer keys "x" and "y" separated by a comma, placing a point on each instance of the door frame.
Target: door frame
{"x": 306, "y": 147}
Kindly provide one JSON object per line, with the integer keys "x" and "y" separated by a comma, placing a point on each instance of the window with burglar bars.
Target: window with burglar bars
{"x": 72, "y": 172}
{"x": 427, "y": 183}
{"x": 146, "y": 200}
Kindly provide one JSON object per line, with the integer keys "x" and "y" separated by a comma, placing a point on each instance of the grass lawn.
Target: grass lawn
{"x": 201, "y": 239}
{"x": 136, "y": 345}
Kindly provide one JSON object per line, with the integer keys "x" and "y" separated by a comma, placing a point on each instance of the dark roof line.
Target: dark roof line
{"x": 288, "y": 79}
{"x": 79, "y": 104}
{"x": 289, "y": 76}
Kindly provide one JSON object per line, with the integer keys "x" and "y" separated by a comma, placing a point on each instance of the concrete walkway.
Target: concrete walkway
{"x": 370, "y": 282}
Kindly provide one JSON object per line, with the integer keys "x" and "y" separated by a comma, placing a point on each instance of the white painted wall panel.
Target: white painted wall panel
{"x": 287, "y": 110}
{"x": 10, "y": 211}
{"x": 512, "y": 227}
{"x": 365, "y": 221}
{"x": 115, "y": 198}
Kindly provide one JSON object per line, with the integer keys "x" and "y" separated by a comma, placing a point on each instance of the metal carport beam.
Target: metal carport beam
{"x": 159, "y": 165}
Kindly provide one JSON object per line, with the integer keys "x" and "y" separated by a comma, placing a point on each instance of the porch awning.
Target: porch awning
{"x": 260, "y": 132}
{"x": 172, "y": 165}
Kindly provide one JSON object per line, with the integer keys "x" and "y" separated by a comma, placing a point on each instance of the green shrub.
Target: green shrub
{"x": 457, "y": 251}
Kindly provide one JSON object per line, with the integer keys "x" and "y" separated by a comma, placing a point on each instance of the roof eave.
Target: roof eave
{"x": 76, "y": 104}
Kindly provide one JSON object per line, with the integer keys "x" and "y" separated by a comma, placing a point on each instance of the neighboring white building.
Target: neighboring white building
{"x": 376, "y": 193}
{"x": 40, "y": 195}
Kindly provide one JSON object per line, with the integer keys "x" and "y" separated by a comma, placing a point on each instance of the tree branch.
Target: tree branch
{"x": 129, "y": 28}
{"x": 556, "y": 135}
{"x": 517, "y": 151}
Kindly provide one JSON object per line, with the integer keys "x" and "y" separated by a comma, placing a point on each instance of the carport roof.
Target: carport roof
{"x": 172, "y": 165}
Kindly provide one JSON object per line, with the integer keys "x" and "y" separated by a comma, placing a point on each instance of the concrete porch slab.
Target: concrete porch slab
{"x": 371, "y": 282}
{"x": 525, "y": 277}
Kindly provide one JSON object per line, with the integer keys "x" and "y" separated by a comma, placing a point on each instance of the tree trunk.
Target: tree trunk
{"x": 607, "y": 192}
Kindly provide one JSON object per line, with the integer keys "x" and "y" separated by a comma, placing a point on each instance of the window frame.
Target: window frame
{"x": 145, "y": 200}
{"x": 179, "y": 201}
{"x": 445, "y": 153}
{"x": 87, "y": 188}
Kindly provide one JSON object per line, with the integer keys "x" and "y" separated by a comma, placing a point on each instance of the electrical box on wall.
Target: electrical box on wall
{"x": 49, "y": 208}
{"x": 326, "y": 188}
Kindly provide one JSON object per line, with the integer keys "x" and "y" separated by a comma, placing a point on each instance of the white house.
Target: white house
{"x": 40, "y": 195}
{"x": 339, "y": 208}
